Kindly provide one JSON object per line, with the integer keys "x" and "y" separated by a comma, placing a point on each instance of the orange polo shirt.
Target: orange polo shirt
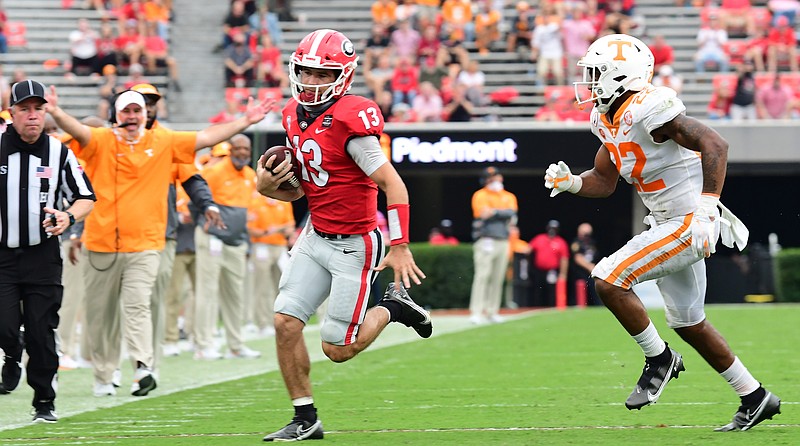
{"x": 486, "y": 199}
{"x": 230, "y": 187}
{"x": 266, "y": 213}
{"x": 131, "y": 182}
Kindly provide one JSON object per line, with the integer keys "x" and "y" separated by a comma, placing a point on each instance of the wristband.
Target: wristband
{"x": 398, "y": 223}
{"x": 577, "y": 184}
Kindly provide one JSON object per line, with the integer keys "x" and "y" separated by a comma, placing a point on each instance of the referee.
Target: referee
{"x": 37, "y": 173}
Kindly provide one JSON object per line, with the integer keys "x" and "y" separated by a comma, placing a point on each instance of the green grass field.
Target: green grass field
{"x": 550, "y": 378}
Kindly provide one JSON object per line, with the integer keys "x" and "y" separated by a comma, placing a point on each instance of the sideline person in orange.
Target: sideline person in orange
{"x": 131, "y": 169}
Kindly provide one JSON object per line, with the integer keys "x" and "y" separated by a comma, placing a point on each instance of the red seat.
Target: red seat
{"x": 238, "y": 94}
{"x": 735, "y": 49}
{"x": 15, "y": 34}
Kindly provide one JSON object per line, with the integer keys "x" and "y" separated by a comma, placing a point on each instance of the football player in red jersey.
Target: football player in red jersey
{"x": 340, "y": 165}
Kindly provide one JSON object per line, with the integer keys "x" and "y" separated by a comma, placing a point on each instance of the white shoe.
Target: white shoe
{"x": 242, "y": 353}
{"x": 207, "y": 354}
{"x": 268, "y": 332}
{"x": 84, "y": 364}
{"x": 171, "y": 349}
{"x": 116, "y": 378}
{"x": 497, "y": 319}
{"x": 67, "y": 363}
{"x": 477, "y": 320}
{"x": 101, "y": 389}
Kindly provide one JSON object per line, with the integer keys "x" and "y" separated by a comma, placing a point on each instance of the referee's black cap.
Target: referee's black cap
{"x": 27, "y": 89}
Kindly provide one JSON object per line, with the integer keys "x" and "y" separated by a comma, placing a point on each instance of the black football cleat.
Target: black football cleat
{"x": 298, "y": 430}
{"x": 412, "y": 315}
{"x": 11, "y": 374}
{"x": 653, "y": 380}
{"x": 748, "y": 416}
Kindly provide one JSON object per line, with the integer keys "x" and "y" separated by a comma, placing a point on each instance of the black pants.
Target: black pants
{"x": 30, "y": 294}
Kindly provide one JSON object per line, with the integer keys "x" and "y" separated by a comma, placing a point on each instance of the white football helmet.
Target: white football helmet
{"x": 612, "y": 65}
{"x": 323, "y": 49}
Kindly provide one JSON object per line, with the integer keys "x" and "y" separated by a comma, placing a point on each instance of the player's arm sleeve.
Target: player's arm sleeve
{"x": 660, "y": 107}
{"x": 366, "y": 151}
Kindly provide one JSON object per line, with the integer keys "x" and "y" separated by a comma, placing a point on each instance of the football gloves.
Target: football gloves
{"x": 705, "y": 226}
{"x": 559, "y": 178}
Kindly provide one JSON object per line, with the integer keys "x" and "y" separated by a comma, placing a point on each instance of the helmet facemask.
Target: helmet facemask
{"x": 322, "y": 92}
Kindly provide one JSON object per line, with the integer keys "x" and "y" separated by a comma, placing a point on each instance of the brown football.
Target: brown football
{"x": 281, "y": 153}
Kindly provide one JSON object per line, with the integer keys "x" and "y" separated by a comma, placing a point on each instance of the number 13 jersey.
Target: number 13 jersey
{"x": 341, "y": 197}
{"x": 667, "y": 176}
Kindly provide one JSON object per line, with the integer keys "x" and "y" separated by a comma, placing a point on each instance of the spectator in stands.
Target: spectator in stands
{"x": 430, "y": 47}
{"x": 774, "y": 100}
{"x": 720, "y": 104}
{"x": 457, "y": 20}
{"x": 384, "y": 13}
{"x": 737, "y": 18}
{"x": 756, "y": 49}
{"x": 135, "y": 76}
{"x": 108, "y": 88}
{"x": 106, "y": 46}
{"x": 5, "y": 90}
{"x": 547, "y": 45}
{"x": 617, "y": 20}
{"x": 83, "y": 50}
{"x": 376, "y": 45}
{"x": 379, "y": 77}
{"x": 157, "y": 13}
{"x": 235, "y": 23}
{"x": 578, "y": 33}
{"x": 474, "y": 80}
{"x": 407, "y": 10}
{"x": 267, "y": 22}
{"x": 521, "y": 29}
{"x": 384, "y": 101}
{"x": 711, "y": 42}
{"x": 743, "y": 104}
{"x": 459, "y": 109}
{"x": 405, "y": 81}
{"x": 405, "y": 40}
{"x": 487, "y": 27}
{"x": 434, "y": 72}
{"x": 457, "y": 56}
{"x": 130, "y": 43}
{"x": 663, "y": 53}
{"x": 443, "y": 234}
{"x": 781, "y": 43}
{"x": 427, "y": 105}
{"x": 666, "y": 77}
{"x": 239, "y": 63}
{"x": 230, "y": 113}
{"x": 550, "y": 111}
{"x": 270, "y": 69}
{"x": 427, "y": 12}
{"x": 131, "y": 11}
{"x": 3, "y": 38}
{"x": 402, "y": 113}
{"x": 784, "y": 8}
{"x": 156, "y": 55}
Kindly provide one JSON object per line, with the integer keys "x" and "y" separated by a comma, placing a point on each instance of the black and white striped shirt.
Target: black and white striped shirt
{"x": 34, "y": 176}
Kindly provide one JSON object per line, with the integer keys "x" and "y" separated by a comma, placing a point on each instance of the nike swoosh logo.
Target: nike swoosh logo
{"x": 348, "y": 251}
{"x": 301, "y": 433}
{"x": 624, "y": 133}
{"x": 318, "y": 131}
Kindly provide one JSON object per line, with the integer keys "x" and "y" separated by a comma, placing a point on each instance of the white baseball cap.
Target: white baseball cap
{"x": 127, "y": 98}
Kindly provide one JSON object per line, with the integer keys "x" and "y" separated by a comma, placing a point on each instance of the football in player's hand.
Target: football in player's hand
{"x": 281, "y": 153}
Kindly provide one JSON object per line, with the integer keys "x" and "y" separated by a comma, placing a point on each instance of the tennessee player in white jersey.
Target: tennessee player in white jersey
{"x": 340, "y": 167}
{"x": 677, "y": 166}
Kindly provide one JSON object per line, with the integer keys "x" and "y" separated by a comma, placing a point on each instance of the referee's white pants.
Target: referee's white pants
{"x": 219, "y": 289}
{"x": 117, "y": 281}
{"x": 490, "y": 258}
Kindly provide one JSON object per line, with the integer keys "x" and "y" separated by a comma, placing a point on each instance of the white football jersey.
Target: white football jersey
{"x": 668, "y": 177}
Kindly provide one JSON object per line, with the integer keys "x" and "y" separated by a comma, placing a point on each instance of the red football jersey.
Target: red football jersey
{"x": 342, "y": 199}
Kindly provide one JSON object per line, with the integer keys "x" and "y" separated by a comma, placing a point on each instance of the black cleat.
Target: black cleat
{"x": 12, "y": 371}
{"x": 412, "y": 315}
{"x": 653, "y": 380}
{"x": 298, "y": 430}
{"x": 748, "y": 416}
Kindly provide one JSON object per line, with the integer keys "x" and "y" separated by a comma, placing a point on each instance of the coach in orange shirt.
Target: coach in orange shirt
{"x": 221, "y": 254}
{"x": 270, "y": 223}
{"x": 131, "y": 169}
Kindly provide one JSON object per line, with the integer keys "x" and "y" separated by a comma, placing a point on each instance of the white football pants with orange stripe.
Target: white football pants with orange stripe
{"x": 662, "y": 253}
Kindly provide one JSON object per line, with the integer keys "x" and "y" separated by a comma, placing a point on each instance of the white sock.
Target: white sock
{"x": 302, "y": 401}
{"x": 651, "y": 343}
{"x": 740, "y": 378}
